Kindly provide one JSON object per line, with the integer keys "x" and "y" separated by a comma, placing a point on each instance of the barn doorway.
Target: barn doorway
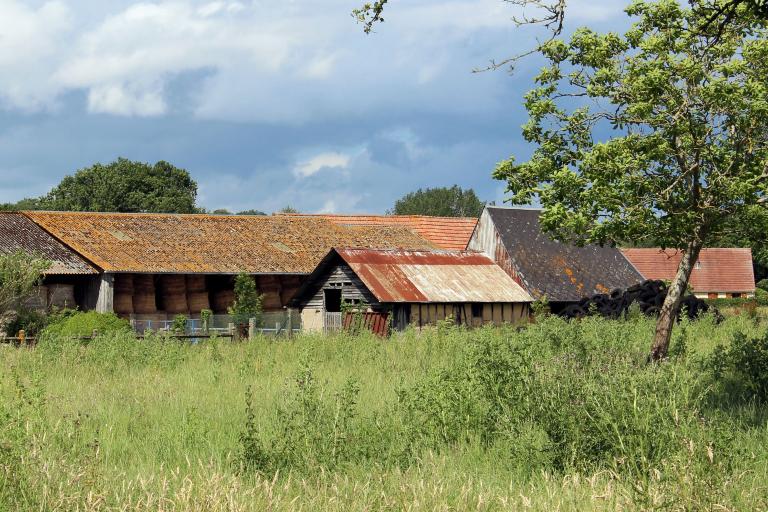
{"x": 332, "y": 300}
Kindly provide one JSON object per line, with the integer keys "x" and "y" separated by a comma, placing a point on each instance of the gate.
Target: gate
{"x": 332, "y": 322}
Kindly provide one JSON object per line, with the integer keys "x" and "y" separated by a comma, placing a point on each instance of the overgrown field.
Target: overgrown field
{"x": 565, "y": 416}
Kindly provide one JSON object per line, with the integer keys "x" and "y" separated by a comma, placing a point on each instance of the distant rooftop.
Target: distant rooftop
{"x": 444, "y": 232}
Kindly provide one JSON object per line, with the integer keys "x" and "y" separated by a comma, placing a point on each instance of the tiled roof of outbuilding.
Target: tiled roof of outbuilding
{"x": 212, "y": 244}
{"x": 563, "y": 272}
{"x": 717, "y": 270}
{"x": 444, "y": 232}
{"x": 17, "y": 232}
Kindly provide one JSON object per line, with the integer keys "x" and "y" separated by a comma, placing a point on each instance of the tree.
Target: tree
{"x": 20, "y": 272}
{"x": 125, "y": 186}
{"x": 251, "y": 212}
{"x": 683, "y": 116}
{"x": 747, "y": 229}
{"x": 221, "y": 211}
{"x": 288, "y": 209}
{"x": 439, "y": 202}
{"x": 248, "y": 302}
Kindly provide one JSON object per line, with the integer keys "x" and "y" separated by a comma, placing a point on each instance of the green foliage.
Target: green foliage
{"x": 440, "y": 202}
{"x": 559, "y": 415}
{"x": 79, "y": 323}
{"x": 125, "y": 186}
{"x": 248, "y": 301}
{"x": 763, "y": 285}
{"x": 742, "y": 367}
{"x": 20, "y": 272}
{"x": 288, "y": 209}
{"x": 682, "y": 104}
{"x": 179, "y": 323}
{"x": 251, "y": 212}
{"x": 221, "y": 211}
{"x": 30, "y": 321}
{"x": 761, "y": 297}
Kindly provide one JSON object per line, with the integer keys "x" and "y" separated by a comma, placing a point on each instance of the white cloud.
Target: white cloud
{"x": 322, "y": 161}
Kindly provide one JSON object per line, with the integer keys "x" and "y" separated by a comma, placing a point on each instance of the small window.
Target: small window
{"x": 712, "y": 295}
{"x": 698, "y": 265}
{"x": 477, "y": 310}
{"x": 735, "y": 295}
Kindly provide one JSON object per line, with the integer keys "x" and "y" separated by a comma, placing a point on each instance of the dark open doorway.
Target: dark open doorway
{"x": 332, "y": 301}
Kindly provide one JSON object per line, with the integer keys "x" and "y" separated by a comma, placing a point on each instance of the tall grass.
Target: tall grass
{"x": 558, "y": 415}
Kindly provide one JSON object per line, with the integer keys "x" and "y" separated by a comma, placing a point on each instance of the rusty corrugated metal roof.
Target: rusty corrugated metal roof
{"x": 212, "y": 244}
{"x": 17, "y": 232}
{"x": 717, "y": 270}
{"x": 561, "y": 271}
{"x": 432, "y": 276}
{"x": 444, "y": 232}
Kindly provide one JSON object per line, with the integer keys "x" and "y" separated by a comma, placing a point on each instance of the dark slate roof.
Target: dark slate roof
{"x": 562, "y": 272}
{"x": 17, "y": 232}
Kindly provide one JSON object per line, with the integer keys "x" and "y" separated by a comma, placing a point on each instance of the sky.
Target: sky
{"x": 268, "y": 103}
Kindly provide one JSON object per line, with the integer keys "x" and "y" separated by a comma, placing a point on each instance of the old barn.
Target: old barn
{"x": 561, "y": 272}
{"x": 155, "y": 266}
{"x": 415, "y": 287}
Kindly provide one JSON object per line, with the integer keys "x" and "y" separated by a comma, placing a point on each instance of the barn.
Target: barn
{"x": 155, "y": 266}
{"x": 414, "y": 287}
{"x": 563, "y": 273}
{"x": 70, "y": 281}
{"x": 719, "y": 273}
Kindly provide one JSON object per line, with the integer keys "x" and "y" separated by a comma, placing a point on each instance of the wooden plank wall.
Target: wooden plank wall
{"x": 341, "y": 277}
{"x": 492, "y": 313}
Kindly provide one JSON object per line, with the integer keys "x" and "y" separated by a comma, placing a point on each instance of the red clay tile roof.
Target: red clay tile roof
{"x": 444, "y": 232}
{"x": 212, "y": 244}
{"x": 19, "y": 233}
{"x": 718, "y": 270}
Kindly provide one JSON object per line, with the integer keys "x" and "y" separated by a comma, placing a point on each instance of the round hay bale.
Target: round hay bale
{"x": 124, "y": 283}
{"x": 123, "y": 303}
{"x": 173, "y": 284}
{"x": 198, "y": 301}
{"x": 144, "y": 283}
{"x": 222, "y": 300}
{"x": 144, "y": 303}
{"x": 195, "y": 283}
{"x": 175, "y": 303}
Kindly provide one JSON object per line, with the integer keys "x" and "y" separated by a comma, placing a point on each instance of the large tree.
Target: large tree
{"x": 440, "y": 202}
{"x": 121, "y": 186}
{"x": 660, "y": 135}
{"x": 126, "y": 186}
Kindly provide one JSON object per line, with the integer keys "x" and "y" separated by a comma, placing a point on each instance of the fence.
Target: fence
{"x": 272, "y": 323}
{"x": 332, "y": 322}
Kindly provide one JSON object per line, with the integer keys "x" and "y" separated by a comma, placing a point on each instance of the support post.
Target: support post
{"x": 290, "y": 322}
{"x": 106, "y": 294}
{"x": 251, "y": 328}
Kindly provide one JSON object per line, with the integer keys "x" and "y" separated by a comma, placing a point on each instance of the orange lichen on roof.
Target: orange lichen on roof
{"x": 212, "y": 244}
{"x": 443, "y": 232}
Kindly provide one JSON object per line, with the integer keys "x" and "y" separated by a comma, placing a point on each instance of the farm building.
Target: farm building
{"x": 444, "y": 232}
{"x": 154, "y": 266}
{"x": 564, "y": 273}
{"x": 415, "y": 287}
{"x": 70, "y": 281}
{"x": 718, "y": 273}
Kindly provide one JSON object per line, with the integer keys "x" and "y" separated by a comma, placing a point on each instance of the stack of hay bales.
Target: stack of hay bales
{"x": 123, "y": 299}
{"x": 222, "y": 300}
{"x": 197, "y": 294}
{"x": 38, "y": 300}
{"x": 61, "y": 296}
{"x": 173, "y": 294}
{"x": 144, "y": 302}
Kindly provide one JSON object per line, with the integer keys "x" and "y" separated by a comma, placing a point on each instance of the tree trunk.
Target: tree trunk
{"x": 671, "y": 307}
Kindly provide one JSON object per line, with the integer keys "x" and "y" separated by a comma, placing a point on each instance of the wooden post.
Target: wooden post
{"x": 22, "y": 337}
{"x": 290, "y": 322}
{"x": 251, "y": 328}
{"x": 232, "y": 331}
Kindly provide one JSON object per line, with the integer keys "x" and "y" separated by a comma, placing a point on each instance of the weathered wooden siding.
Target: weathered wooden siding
{"x": 492, "y": 313}
{"x": 341, "y": 277}
{"x": 487, "y": 240}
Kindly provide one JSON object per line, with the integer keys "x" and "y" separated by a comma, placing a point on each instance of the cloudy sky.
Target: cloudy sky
{"x": 267, "y": 103}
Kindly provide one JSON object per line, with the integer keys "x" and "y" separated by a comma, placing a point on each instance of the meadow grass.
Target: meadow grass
{"x": 556, "y": 416}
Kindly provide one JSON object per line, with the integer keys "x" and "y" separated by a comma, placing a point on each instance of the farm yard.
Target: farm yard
{"x": 559, "y": 415}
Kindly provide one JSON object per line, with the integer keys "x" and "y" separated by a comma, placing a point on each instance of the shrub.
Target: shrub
{"x": 763, "y": 284}
{"x": 248, "y": 302}
{"x": 761, "y": 297}
{"x": 84, "y": 323}
{"x": 741, "y": 369}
